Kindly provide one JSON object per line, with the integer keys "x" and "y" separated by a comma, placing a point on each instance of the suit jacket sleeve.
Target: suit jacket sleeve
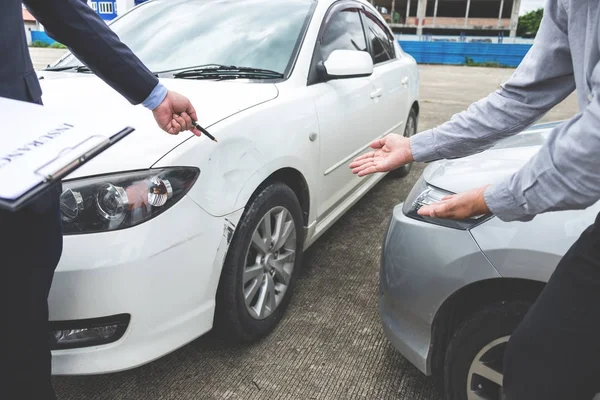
{"x": 563, "y": 175}
{"x": 77, "y": 26}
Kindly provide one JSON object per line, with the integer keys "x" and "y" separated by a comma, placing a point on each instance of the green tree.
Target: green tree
{"x": 530, "y": 23}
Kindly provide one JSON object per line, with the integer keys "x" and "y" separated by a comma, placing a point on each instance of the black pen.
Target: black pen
{"x": 204, "y": 131}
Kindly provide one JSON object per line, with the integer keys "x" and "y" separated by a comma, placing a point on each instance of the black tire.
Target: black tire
{"x": 409, "y": 130}
{"x": 491, "y": 323}
{"x": 232, "y": 318}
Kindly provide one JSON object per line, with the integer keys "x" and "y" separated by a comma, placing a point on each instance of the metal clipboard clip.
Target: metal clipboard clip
{"x": 70, "y": 158}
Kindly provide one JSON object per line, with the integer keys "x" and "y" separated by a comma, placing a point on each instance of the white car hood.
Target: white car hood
{"x": 86, "y": 98}
{"x": 488, "y": 167}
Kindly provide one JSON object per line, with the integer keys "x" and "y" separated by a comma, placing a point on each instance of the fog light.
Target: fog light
{"x": 74, "y": 336}
{"x": 91, "y": 332}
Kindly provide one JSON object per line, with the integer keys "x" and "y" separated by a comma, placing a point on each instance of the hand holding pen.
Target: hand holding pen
{"x": 204, "y": 131}
{"x": 176, "y": 114}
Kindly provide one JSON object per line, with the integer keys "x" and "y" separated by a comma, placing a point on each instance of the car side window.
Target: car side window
{"x": 382, "y": 43}
{"x": 343, "y": 32}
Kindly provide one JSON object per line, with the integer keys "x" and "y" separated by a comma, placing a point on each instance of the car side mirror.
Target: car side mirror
{"x": 346, "y": 64}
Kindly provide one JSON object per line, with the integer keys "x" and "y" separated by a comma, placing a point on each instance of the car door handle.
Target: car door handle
{"x": 404, "y": 82}
{"x": 377, "y": 93}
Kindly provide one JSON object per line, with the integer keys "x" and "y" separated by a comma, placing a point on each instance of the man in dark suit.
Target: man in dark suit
{"x": 31, "y": 239}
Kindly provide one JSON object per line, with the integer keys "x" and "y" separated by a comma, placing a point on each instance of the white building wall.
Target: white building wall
{"x": 29, "y": 26}
{"x": 124, "y": 5}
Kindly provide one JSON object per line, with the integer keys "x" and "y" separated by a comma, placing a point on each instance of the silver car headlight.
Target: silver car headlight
{"x": 118, "y": 201}
{"x": 423, "y": 194}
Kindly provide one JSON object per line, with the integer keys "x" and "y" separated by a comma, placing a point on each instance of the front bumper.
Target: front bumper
{"x": 421, "y": 266}
{"x": 163, "y": 273}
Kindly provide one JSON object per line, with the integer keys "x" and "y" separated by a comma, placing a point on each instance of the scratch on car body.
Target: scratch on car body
{"x": 175, "y": 245}
{"x": 228, "y": 230}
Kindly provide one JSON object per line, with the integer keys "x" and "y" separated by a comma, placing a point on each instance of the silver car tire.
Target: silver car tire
{"x": 474, "y": 357}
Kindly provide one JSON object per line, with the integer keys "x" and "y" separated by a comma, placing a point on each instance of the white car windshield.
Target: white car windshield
{"x": 178, "y": 34}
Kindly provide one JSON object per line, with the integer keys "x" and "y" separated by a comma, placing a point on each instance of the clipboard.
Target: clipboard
{"x": 67, "y": 161}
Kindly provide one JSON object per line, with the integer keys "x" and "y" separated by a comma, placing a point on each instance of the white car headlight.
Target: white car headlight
{"x": 423, "y": 194}
{"x": 118, "y": 201}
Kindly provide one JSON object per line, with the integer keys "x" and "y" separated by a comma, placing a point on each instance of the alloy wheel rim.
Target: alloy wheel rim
{"x": 270, "y": 260}
{"x": 484, "y": 381}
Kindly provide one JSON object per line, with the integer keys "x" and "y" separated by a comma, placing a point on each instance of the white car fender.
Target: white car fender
{"x": 231, "y": 172}
{"x": 262, "y": 174}
{"x": 252, "y": 146}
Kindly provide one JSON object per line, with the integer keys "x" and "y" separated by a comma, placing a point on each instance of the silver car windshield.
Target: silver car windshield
{"x": 178, "y": 34}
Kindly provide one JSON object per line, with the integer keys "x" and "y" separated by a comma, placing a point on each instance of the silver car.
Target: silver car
{"x": 452, "y": 292}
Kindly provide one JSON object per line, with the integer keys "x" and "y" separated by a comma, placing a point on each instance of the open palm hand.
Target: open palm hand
{"x": 390, "y": 152}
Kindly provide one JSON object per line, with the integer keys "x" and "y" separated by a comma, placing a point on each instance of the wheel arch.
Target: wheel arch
{"x": 296, "y": 181}
{"x": 466, "y": 301}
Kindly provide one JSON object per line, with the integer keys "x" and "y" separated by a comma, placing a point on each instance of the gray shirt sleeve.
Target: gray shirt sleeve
{"x": 543, "y": 79}
{"x": 563, "y": 175}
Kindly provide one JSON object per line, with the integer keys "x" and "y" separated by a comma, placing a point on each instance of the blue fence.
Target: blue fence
{"x": 42, "y": 37}
{"x": 456, "y": 53}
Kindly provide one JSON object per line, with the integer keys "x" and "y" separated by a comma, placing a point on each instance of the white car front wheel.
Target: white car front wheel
{"x": 261, "y": 266}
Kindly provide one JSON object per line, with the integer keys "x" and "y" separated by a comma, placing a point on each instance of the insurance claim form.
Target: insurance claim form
{"x": 37, "y": 143}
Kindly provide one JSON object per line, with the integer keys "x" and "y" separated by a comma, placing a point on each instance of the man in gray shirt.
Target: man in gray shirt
{"x": 555, "y": 352}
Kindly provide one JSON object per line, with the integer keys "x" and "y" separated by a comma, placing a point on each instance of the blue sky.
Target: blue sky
{"x": 530, "y": 5}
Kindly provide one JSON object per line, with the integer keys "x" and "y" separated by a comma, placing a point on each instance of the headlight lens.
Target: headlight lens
{"x": 112, "y": 202}
{"x": 424, "y": 194}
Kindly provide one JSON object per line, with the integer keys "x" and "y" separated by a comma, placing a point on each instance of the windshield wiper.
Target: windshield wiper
{"x": 76, "y": 68}
{"x": 226, "y": 72}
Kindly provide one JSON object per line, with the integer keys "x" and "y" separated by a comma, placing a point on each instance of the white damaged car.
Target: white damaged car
{"x": 166, "y": 236}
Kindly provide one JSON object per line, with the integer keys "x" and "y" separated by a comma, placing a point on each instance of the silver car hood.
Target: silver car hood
{"x": 490, "y": 166}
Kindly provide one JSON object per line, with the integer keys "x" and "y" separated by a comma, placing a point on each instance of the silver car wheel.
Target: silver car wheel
{"x": 270, "y": 260}
{"x": 485, "y": 375}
